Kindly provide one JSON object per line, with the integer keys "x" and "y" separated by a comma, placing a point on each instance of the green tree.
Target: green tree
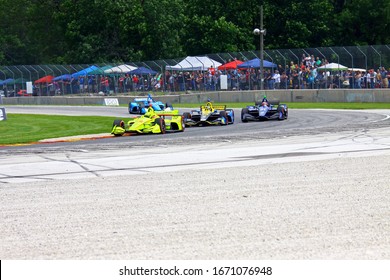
{"x": 219, "y": 26}
{"x": 93, "y": 31}
{"x": 363, "y": 22}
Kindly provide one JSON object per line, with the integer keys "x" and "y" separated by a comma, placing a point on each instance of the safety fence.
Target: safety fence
{"x": 155, "y": 76}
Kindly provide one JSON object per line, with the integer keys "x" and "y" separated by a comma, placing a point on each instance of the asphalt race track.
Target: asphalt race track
{"x": 300, "y": 122}
{"x": 315, "y": 186}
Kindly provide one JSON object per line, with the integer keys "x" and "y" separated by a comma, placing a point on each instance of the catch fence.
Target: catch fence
{"x": 358, "y": 58}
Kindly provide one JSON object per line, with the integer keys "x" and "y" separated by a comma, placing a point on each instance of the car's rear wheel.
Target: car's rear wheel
{"x": 183, "y": 123}
{"x": 230, "y": 113}
{"x": 168, "y": 105}
{"x": 244, "y": 111}
{"x": 141, "y": 107}
{"x": 161, "y": 124}
{"x": 186, "y": 116}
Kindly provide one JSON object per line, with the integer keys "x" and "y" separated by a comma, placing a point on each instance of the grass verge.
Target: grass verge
{"x": 26, "y": 128}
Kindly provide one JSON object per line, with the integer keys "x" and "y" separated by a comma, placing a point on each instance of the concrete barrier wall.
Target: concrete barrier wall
{"x": 287, "y": 96}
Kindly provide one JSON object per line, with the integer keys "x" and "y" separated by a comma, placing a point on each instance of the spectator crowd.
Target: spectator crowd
{"x": 307, "y": 74}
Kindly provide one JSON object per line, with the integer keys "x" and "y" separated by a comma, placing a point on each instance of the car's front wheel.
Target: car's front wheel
{"x": 161, "y": 124}
{"x": 118, "y": 123}
{"x": 244, "y": 111}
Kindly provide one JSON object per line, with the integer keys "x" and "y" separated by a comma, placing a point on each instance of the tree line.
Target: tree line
{"x": 100, "y": 31}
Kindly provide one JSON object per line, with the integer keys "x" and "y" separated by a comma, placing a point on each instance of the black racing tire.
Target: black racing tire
{"x": 119, "y": 123}
{"x": 231, "y": 121}
{"x": 280, "y": 113}
{"x": 141, "y": 105}
{"x": 161, "y": 123}
{"x": 223, "y": 114}
{"x": 187, "y": 116}
{"x": 243, "y": 112}
{"x": 183, "y": 123}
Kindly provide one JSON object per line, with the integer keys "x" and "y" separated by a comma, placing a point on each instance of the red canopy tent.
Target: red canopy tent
{"x": 44, "y": 80}
{"x": 230, "y": 65}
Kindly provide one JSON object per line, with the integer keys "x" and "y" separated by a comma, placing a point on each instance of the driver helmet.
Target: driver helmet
{"x": 149, "y": 112}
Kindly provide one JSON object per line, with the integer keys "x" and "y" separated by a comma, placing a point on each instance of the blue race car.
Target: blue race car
{"x": 264, "y": 110}
{"x": 141, "y": 105}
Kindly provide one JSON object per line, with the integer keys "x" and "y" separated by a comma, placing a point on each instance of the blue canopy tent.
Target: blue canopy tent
{"x": 64, "y": 77}
{"x": 255, "y": 63}
{"x": 7, "y": 82}
{"x": 142, "y": 71}
{"x": 85, "y": 71}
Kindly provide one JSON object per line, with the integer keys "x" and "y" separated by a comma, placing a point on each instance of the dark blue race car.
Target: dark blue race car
{"x": 141, "y": 105}
{"x": 264, "y": 110}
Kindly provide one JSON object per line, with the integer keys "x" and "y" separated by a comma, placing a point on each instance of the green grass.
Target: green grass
{"x": 27, "y": 128}
{"x": 23, "y": 128}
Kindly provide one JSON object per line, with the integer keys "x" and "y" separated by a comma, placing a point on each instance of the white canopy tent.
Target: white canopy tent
{"x": 194, "y": 63}
{"x": 333, "y": 67}
{"x": 357, "y": 69}
{"x": 124, "y": 68}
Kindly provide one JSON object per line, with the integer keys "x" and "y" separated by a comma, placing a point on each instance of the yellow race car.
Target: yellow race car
{"x": 151, "y": 122}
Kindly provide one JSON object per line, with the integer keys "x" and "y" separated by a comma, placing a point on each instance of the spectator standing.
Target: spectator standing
{"x": 385, "y": 80}
{"x": 358, "y": 79}
{"x": 276, "y": 78}
{"x": 81, "y": 84}
{"x": 371, "y": 78}
{"x": 284, "y": 81}
{"x": 135, "y": 80}
{"x": 318, "y": 62}
{"x": 171, "y": 82}
{"x": 295, "y": 79}
{"x": 388, "y": 77}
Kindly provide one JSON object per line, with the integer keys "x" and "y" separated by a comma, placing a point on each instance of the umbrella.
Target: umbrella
{"x": 230, "y": 65}
{"x": 142, "y": 71}
{"x": 44, "y": 80}
{"x": 333, "y": 67}
{"x": 255, "y": 63}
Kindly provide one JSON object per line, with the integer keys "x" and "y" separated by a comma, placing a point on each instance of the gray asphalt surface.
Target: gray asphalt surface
{"x": 313, "y": 187}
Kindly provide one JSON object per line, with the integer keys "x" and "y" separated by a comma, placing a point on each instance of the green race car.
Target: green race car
{"x": 150, "y": 122}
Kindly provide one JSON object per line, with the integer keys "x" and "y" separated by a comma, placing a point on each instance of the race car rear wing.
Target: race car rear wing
{"x": 215, "y": 107}
{"x": 168, "y": 113}
{"x": 140, "y": 99}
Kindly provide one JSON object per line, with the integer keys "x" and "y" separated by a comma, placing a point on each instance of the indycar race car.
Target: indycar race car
{"x": 264, "y": 111}
{"x": 209, "y": 114}
{"x": 141, "y": 105}
{"x": 150, "y": 122}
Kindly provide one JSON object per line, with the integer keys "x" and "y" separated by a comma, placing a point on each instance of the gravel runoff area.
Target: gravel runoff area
{"x": 325, "y": 208}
